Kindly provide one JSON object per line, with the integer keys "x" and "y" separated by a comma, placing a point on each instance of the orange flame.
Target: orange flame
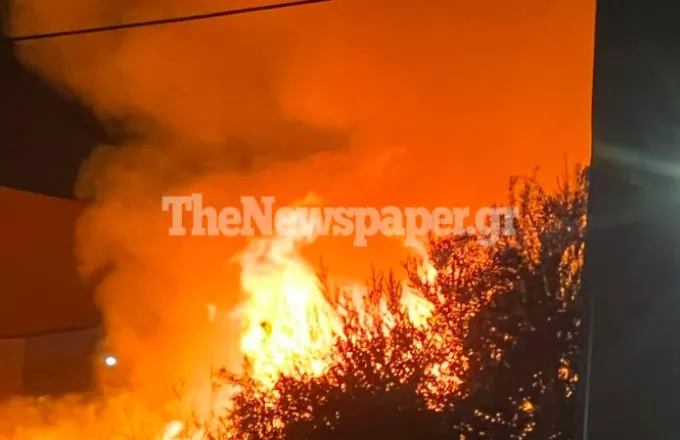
{"x": 291, "y": 326}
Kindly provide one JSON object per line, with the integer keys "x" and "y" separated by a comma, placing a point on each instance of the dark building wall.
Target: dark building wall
{"x": 631, "y": 272}
{"x": 44, "y": 134}
{"x": 40, "y": 290}
{"x": 48, "y": 317}
{"x": 44, "y": 137}
{"x": 52, "y": 363}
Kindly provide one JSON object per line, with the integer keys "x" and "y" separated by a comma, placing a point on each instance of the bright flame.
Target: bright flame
{"x": 173, "y": 430}
{"x": 291, "y": 325}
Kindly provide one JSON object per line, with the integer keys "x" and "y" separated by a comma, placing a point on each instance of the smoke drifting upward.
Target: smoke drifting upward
{"x": 362, "y": 102}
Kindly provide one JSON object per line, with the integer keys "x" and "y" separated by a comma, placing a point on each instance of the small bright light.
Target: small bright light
{"x": 110, "y": 361}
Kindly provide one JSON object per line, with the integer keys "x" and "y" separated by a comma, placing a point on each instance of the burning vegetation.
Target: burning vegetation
{"x": 478, "y": 342}
{"x": 360, "y": 102}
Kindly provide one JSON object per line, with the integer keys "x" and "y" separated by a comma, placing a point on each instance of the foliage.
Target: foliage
{"x": 525, "y": 342}
{"x": 495, "y": 359}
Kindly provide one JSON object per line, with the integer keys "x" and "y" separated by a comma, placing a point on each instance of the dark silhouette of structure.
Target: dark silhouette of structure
{"x": 631, "y": 263}
{"x": 49, "y": 329}
{"x": 45, "y": 135}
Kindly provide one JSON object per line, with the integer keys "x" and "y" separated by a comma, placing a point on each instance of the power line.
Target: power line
{"x": 164, "y": 21}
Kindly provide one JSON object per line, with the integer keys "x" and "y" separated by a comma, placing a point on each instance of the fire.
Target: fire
{"x": 290, "y": 323}
{"x": 173, "y": 430}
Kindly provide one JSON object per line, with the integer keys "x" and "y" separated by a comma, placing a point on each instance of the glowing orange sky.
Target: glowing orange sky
{"x": 439, "y": 101}
{"x": 430, "y": 103}
{"x": 471, "y": 91}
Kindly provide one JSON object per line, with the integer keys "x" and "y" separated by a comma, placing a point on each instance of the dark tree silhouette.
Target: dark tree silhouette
{"x": 525, "y": 342}
{"x": 495, "y": 359}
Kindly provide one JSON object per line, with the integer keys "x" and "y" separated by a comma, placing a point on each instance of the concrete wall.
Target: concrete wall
{"x": 53, "y": 363}
{"x": 39, "y": 286}
{"x": 48, "y": 320}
